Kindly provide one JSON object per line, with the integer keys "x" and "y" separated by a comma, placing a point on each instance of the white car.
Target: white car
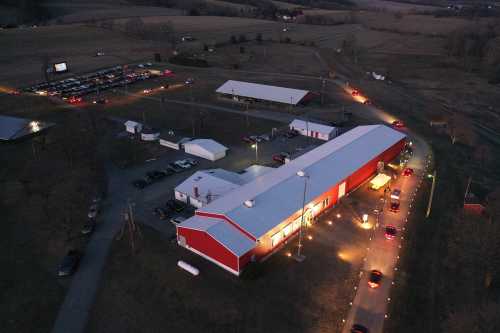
{"x": 183, "y": 164}
{"x": 93, "y": 210}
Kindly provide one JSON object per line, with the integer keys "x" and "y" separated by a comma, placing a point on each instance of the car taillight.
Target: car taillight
{"x": 372, "y": 284}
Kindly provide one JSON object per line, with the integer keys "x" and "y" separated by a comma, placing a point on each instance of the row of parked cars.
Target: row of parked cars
{"x": 252, "y": 139}
{"x": 158, "y": 175}
{"x": 72, "y": 89}
{"x": 170, "y": 208}
{"x": 71, "y": 260}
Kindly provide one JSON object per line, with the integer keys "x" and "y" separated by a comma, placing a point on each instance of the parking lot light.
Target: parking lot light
{"x": 309, "y": 237}
{"x": 329, "y": 222}
{"x": 338, "y": 215}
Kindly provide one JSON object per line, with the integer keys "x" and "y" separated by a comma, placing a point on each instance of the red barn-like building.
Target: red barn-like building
{"x": 252, "y": 221}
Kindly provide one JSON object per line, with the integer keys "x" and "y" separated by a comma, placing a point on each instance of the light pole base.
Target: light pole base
{"x": 299, "y": 257}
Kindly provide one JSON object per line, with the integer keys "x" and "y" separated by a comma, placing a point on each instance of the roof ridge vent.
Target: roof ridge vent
{"x": 249, "y": 203}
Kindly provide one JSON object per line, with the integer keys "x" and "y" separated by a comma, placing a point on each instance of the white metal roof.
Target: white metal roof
{"x": 12, "y": 128}
{"x": 206, "y": 182}
{"x": 307, "y": 125}
{"x": 263, "y": 92}
{"x": 253, "y": 172}
{"x": 208, "y": 145}
{"x": 222, "y": 232}
{"x": 278, "y": 194}
{"x": 131, "y": 123}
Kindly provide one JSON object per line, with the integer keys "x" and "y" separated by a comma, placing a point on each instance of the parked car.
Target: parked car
{"x": 175, "y": 168}
{"x": 189, "y": 80}
{"x": 375, "y": 278}
{"x": 398, "y": 124}
{"x": 88, "y": 227}
{"x": 390, "y": 232}
{"x": 407, "y": 172}
{"x": 394, "y": 206}
{"x": 255, "y": 138}
{"x": 93, "y": 210}
{"x": 395, "y": 194}
{"x": 191, "y": 161}
{"x": 177, "y": 220}
{"x": 357, "y": 328}
{"x": 100, "y": 101}
{"x": 183, "y": 164}
{"x": 279, "y": 158}
{"x": 140, "y": 184}
{"x": 291, "y": 134}
{"x": 156, "y": 175}
{"x": 175, "y": 205}
{"x": 248, "y": 139}
{"x": 265, "y": 137}
{"x": 69, "y": 264}
{"x": 161, "y": 213}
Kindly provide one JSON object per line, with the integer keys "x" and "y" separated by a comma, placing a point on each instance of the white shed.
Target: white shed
{"x": 173, "y": 141}
{"x": 205, "y": 148}
{"x": 149, "y": 134}
{"x": 133, "y": 127}
{"x": 314, "y": 130}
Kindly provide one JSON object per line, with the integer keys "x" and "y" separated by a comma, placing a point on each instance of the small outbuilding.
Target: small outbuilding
{"x": 205, "y": 148}
{"x": 150, "y": 134}
{"x": 314, "y": 130}
{"x": 173, "y": 141}
{"x": 133, "y": 127}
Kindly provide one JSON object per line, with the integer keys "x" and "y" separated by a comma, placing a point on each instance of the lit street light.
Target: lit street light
{"x": 300, "y": 257}
{"x": 256, "y": 147}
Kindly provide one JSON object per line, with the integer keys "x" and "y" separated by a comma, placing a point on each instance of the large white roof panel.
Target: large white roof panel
{"x": 278, "y": 194}
{"x": 263, "y": 92}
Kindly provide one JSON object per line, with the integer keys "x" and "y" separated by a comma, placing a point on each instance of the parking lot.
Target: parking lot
{"x": 73, "y": 89}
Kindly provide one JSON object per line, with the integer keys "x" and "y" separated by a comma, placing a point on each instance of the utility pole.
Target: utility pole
{"x": 431, "y": 195}
{"x": 130, "y": 225}
{"x": 299, "y": 256}
{"x": 323, "y": 85}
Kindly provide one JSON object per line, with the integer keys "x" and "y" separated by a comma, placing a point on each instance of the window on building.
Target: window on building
{"x": 287, "y": 230}
{"x": 296, "y": 223}
{"x": 326, "y": 202}
{"x": 276, "y": 239}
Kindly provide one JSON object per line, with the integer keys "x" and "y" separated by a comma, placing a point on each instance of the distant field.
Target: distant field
{"x": 393, "y": 5}
{"x": 230, "y": 4}
{"x": 421, "y": 24}
{"x": 284, "y": 5}
{"x": 23, "y": 50}
{"x": 84, "y": 13}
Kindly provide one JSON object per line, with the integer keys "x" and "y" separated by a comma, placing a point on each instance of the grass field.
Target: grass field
{"x": 148, "y": 292}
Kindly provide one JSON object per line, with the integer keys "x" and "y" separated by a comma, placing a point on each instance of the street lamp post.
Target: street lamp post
{"x": 300, "y": 257}
{"x": 256, "y": 147}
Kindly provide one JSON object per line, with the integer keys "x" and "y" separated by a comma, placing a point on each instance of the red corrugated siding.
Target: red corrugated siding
{"x": 204, "y": 243}
{"x": 370, "y": 168}
{"x": 352, "y": 182}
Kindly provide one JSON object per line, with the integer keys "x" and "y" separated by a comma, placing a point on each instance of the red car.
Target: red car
{"x": 375, "y": 278}
{"x": 168, "y": 72}
{"x": 390, "y": 232}
{"x": 279, "y": 158}
{"x": 75, "y": 100}
{"x": 398, "y": 124}
{"x": 355, "y": 92}
{"x": 248, "y": 139}
{"x": 394, "y": 206}
{"x": 407, "y": 172}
